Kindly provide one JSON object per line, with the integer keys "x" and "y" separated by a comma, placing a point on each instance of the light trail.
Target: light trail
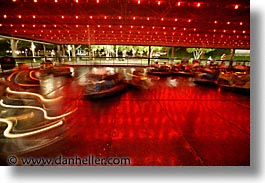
{"x": 27, "y": 85}
{"x": 21, "y": 84}
{"x": 21, "y": 117}
{"x": 26, "y": 100}
{"x": 141, "y": 77}
{"x": 32, "y": 77}
{"x": 37, "y": 108}
{"x": 19, "y": 135}
{"x": 11, "y": 75}
{"x": 33, "y": 94}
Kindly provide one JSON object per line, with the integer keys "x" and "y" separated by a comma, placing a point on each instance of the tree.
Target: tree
{"x": 4, "y": 45}
{"x": 109, "y": 51}
{"x": 198, "y": 52}
{"x": 141, "y": 50}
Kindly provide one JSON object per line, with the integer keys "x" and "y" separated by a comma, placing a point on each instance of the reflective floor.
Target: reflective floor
{"x": 175, "y": 122}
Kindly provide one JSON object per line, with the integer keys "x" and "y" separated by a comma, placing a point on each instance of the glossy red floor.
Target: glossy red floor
{"x": 182, "y": 124}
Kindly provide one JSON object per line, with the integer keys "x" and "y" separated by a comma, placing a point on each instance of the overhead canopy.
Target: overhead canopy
{"x": 190, "y": 23}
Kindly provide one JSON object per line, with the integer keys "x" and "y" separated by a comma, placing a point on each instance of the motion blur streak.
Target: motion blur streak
{"x": 22, "y": 117}
{"x": 32, "y": 77}
{"x": 10, "y": 126}
{"x": 22, "y": 84}
{"x": 11, "y": 75}
{"x": 33, "y": 94}
{"x": 38, "y": 108}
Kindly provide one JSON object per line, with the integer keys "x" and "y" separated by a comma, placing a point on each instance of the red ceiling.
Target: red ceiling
{"x": 192, "y": 23}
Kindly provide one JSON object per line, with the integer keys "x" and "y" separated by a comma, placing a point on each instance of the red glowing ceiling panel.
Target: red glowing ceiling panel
{"x": 193, "y": 23}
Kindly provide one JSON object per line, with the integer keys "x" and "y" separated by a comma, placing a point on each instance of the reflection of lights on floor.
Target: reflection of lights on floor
{"x": 50, "y": 84}
{"x": 72, "y": 70}
{"x": 82, "y": 79}
{"x": 37, "y": 108}
{"x": 2, "y": 79}
{"x": 19, "y": 135}
{"x": 110, "y": 70}
{"x": 171, "y": 82}
{"x": 132, "y": 69}
{"x": 94, "y": 69}
{"x": 33, "y": 94}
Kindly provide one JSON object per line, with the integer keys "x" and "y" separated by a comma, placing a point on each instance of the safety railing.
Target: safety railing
{"x": 115, "y": 61}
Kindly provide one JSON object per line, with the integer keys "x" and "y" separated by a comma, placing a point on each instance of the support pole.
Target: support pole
{"x": 44, "y": 52}
{"x": 63, "y": 50}
{"x": 69, "y": 48}
{"x": 172, "y": 53}
{"x": 232, "y": 54}
{"x": 33, "y": 47}
{"x": 149, "y": 55}
{"x": 13, "y": 44}
{"x": 58, "y": 53}
{"x": 73, "y": 51}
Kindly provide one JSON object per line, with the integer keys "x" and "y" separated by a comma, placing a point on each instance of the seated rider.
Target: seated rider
{"x": 195, "y": 63}
{"x": 209, "y": 73}
{"x": 222, "y": 66}
{"x": 107, "y": 82}
{"x": 156, "y": 65}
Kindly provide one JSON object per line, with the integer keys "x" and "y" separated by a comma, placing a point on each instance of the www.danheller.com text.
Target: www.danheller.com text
{"x": 71, "y": 161}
